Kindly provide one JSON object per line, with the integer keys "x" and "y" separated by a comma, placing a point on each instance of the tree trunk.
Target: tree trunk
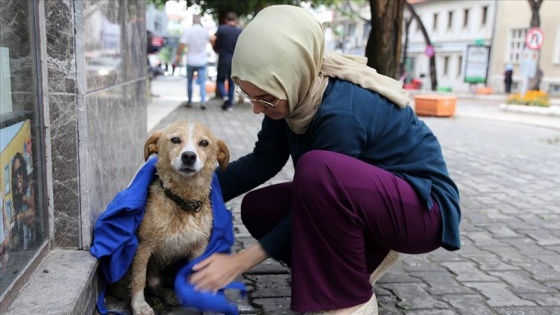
{"x": 535, "y": 17}
{"x": 433, "y": 72}
{"x": 535, "y": 82}
{"x": 383, "y": 48}
{"x": 402, "y": 69}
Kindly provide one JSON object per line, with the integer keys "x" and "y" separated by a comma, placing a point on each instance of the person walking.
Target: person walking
{"x": 370, "y": 178}
{"x": 224, "y": 42}
{"x": 508, "y": 78}
{"x": 196, "y": 40}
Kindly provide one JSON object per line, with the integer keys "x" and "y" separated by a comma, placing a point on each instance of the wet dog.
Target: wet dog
{"x": 177, "y": 222}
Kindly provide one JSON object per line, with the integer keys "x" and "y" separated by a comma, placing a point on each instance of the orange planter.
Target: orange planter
{"x": 435, "y": 105}
{"x": 484, "y": 90}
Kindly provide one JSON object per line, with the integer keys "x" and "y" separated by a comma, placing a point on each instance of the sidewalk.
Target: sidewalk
{"x": 504, "y": 165}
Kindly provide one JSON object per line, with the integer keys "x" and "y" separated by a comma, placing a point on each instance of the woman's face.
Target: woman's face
{"x": 279, "y": 111}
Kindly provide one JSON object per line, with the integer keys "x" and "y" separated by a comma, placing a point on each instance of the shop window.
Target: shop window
{"x": 22, "y": 200}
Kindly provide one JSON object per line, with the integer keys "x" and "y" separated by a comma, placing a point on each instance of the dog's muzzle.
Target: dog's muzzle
{"x": 188, "y": 158}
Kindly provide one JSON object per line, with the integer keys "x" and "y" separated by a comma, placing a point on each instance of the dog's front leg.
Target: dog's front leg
{"x": 138, "y": 281}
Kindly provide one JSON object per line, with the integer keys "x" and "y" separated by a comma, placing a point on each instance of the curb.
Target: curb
{"x": 536, "y": 110}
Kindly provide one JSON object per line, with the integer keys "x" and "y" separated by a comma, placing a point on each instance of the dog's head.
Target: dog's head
{"x": 188, "y": 147}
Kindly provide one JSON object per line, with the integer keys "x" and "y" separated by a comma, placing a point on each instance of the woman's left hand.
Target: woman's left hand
{"x": 215, "y": 272}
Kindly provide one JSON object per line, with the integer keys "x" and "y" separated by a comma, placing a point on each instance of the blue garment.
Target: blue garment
{"x": 115, "y": 242}
{"x": 359, "y": 123}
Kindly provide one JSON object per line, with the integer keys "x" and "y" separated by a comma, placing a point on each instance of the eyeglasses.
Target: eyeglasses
{"x": 239, "y": 91}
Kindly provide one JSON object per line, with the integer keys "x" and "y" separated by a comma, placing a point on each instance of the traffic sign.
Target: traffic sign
{"x": 429, "y": 51}
{"x": 534, "y": 38}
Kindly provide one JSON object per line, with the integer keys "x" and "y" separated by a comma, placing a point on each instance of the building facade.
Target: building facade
{"x": 73, "y": 119}
{"x": 512, "y": 23}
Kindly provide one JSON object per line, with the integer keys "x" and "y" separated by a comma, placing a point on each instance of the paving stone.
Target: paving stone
{"x": 521, "y": 282}
{"x": 524, "y": 311}
{"x": 274, "y": 306}
{"x": 498, "y": 294}
{"x": 414, "y": 296}
{"x": 467, "y": 271}
{"x": 468, "y": 304}
{"x": 440, "y": 283}
{"x": 269, "y": 286}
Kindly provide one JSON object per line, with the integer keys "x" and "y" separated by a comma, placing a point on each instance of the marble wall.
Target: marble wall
{"x": 97, "y": 100}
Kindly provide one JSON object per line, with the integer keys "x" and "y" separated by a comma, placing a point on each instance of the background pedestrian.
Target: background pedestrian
{"x": 196, "y": 40}
{"x": 224, "y": 42}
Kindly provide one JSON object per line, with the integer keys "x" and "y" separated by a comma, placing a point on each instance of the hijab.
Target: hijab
{"x": 282, "y": 51}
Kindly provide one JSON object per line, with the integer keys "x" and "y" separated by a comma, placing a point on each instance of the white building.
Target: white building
{"x": 451, "y": 26}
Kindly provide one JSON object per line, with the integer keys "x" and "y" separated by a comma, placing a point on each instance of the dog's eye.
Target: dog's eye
{"x": 175, "y": 140}
{"x": 203, "y": 143}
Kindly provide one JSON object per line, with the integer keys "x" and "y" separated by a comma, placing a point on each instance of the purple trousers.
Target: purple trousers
{"x": 347, "y": 215}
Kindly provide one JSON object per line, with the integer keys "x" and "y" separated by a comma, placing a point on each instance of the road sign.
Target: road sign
{"x": 534, "y": 38}
{"x": 429, "y": 51}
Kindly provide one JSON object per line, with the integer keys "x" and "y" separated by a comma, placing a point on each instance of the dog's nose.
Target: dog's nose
{"x": 188, "y": 157}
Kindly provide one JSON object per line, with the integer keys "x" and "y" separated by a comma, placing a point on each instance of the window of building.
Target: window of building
{"x": 459, "y": 66}
{"x": 449, "y": 20}
{"x": 446, "y": 65}
{"x": 484, "y": 15}
{"x": 435, "y": 21}
{"x": 466, "y": 18}
{"x": 516, "y": 44}
{"x": 23, "y": 216}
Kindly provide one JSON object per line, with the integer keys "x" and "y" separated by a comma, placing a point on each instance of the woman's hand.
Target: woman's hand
{"x": 215, "y": 272}
{"x": 218, "y": 270}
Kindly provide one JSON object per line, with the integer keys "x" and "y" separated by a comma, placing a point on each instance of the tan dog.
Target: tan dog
{"x": 178, "y": 218}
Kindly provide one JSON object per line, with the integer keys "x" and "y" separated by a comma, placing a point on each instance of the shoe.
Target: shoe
{"x": 203, "y": 106}
{"x": 186, "y": 104}
{"x": 368, "y": 308}
{"x": 389, "y": 261}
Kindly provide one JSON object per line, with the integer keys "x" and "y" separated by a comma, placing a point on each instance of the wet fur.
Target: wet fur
{"x": 167, "y": 233}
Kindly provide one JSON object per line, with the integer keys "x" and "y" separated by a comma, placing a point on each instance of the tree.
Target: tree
{"x": 383, "y": 48}
{"x": 535, "y": 5}
{"x": 433, "y": 72}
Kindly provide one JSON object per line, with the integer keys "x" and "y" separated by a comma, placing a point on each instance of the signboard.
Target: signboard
{"x": 476, "y": 64}
{"x": 534, "y": 38}
{"x": 529, "y": 61}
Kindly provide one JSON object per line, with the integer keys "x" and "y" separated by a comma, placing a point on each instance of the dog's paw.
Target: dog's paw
{"x": 142, "y": 308}
{"x": 170, "y": 298}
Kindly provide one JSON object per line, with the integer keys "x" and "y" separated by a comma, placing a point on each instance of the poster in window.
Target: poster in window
{"x": 18, "y": 193}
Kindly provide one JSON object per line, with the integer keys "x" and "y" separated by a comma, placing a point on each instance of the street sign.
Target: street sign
{"x": 429, "y": 51}
{"x": 529, "y": 60}
{"x": 534, "y": 38}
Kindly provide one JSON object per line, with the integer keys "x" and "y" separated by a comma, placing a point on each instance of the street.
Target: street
{"x": 507, "y": 174}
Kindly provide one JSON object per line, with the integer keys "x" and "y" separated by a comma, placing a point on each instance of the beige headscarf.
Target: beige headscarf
{"x": 282, "y": 51}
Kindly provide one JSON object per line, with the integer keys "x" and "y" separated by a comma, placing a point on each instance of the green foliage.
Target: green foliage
{"x": 246, "y": 8}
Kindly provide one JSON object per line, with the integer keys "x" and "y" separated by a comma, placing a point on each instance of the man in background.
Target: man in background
{"x": 223, "y": 43}
{"x": 195, "y": 39}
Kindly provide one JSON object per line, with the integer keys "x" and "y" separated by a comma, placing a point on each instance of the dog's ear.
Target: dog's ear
{"x": 223, "y": 155}
{"x": 151, "y": 145}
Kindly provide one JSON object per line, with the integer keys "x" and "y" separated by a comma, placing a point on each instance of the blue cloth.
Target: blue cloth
{"x": 115, "y": 242}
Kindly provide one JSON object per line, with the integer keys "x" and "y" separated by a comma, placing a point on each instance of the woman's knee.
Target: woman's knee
{"x": 314, "y": 170}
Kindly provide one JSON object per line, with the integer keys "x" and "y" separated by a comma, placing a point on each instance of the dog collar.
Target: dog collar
{"x": 186, "y": 205}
